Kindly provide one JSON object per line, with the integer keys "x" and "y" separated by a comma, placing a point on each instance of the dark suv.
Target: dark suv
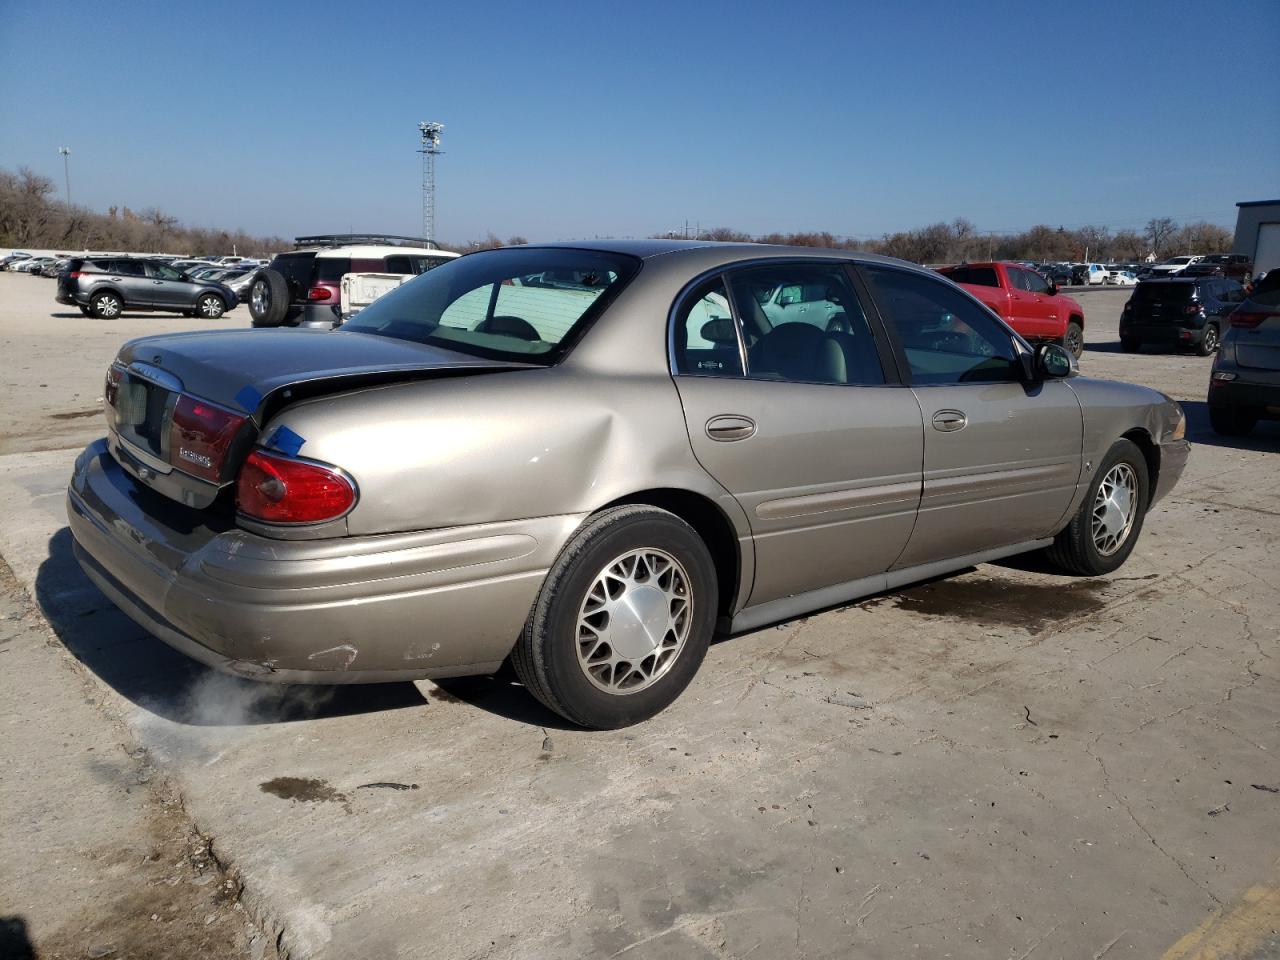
{"x": 304, "y": 286}
{"x": 1179, "y": 313}
{"x": 105, "y": 287}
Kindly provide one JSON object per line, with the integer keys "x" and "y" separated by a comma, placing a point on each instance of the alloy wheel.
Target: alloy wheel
{"x": 1114, "y": 509}
{"x": 259, "y": 296}
{"x": 634, "y": 621}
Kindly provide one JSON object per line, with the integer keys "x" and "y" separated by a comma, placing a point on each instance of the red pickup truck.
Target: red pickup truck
{"x": 1025, "y": 300}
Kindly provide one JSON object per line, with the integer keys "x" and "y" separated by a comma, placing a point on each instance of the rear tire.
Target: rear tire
{"x": 210, "y": 306}
{"x": 1129, "y": 345}
{"x": 1232, "y": 421}
{"x": 584, "y": 653}
{"x": 1105, "y": 529}
{"x": 106, "y": 305}
{"x": 1209, "y": 342}
{"x": 86, "y": 311}
{"x": 268, "y": 298}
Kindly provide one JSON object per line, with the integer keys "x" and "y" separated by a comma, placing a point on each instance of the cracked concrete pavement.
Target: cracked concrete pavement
{"x": 1005, "y": 762}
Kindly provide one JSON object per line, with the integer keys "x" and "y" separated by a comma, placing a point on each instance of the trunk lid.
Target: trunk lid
{"x": 184, "y": 410}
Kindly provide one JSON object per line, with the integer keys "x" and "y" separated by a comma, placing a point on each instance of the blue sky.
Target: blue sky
{"x": 580, "y": 119}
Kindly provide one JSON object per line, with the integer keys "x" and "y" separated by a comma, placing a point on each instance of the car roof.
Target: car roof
{"x": 717, "y": 253}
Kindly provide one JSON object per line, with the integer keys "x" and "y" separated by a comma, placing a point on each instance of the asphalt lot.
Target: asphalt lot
{"x": 1001, "y": 763}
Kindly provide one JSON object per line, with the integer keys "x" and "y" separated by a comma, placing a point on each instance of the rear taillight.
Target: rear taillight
{"x": 201, "y": 436}
{"x": 1191, "y": 309}
{"x": 1248, "y": 319}
{"x": 319, "y": 293}
{"x": 280, "y": 490}
{"x": 76, "y": 274}
{"x": 111, "y": 388}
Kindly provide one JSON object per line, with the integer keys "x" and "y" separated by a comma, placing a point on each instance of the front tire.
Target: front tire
{"x": 106, "y": 305}
{"x": 1105, "y": 529}
{"x": 623, "y": 619}
{"x": 1073, "y": 340}
{"x": 1232, "y": 421}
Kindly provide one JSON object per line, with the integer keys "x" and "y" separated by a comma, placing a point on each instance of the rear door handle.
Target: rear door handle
{"x": 730, "y": 427}
{"x": 949, "y": 421}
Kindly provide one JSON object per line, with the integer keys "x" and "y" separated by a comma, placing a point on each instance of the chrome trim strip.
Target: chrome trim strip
{"x": 814, "y": 504}
{"x": 152, "y": 374}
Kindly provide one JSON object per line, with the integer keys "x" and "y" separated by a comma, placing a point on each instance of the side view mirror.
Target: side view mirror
{"x": 786, "y": 301}
{"x": 1053, "y": 362}
{"x": 1053, "y": 289}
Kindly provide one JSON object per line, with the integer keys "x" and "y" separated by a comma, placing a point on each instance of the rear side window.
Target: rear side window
{"x": 978, "y": 276}
{"x": 413, "y": 264}
{"x": 803, "y": 322}
{"x": 128, "y": 268}
{"x": 706, "y": 335}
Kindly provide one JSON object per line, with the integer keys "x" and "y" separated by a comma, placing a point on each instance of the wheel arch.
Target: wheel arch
{"x": 108, "y": 288}
{"x": 711, "y": 524}
{"x": 1151, "y": 453}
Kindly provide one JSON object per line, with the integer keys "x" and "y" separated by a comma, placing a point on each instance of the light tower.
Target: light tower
{"x": 66, "y": 169}
{"x": 430, "y": 149}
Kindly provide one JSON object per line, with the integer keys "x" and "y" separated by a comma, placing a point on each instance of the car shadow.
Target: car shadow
{"x": 1265, "y": 437}
{"x": 502, "y": 695}
{"x": 154, "y": 676}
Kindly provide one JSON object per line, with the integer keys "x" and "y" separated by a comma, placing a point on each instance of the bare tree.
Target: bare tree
{"x": 1157, "y": 233}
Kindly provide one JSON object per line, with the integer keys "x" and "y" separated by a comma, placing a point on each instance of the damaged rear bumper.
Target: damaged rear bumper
{"x": 434, "y": 603}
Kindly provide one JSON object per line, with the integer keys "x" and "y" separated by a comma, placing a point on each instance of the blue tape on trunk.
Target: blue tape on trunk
{"x": 286, "y": 441}
{"x": 249, "y": 398}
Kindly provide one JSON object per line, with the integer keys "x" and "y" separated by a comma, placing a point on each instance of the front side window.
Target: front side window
{"x": 160, "y": 271}
{"x": 1035, "y": 283}
{"x": 706, "y": 335}
{"x": 804, "y": 323}
{"x": 525, "y": 304}
{"x": 947, "y": 338}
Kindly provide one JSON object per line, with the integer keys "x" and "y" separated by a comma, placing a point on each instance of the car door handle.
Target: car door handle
{"x": 730, "y": 427}
{"x": 949, "y": 421}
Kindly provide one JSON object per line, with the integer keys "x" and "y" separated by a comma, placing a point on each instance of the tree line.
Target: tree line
{"x": 32, "y": 216}
{"x": 959, "y": 240}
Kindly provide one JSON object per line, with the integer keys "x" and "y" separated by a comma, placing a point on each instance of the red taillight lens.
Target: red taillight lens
{"x": 1191, "y": 309}
{"x": 319, "y": 293}
{"x": 279, "y": 490}
{"x": 200, "y": 437}
{"x": 1248, "y": 319}
{"x": 76, "y": 274}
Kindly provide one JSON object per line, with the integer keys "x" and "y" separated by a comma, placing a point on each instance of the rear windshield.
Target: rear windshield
{"x": 978, "y": 276}
{"x": 1164, "y": 292}
{"x": 513, "y": 304}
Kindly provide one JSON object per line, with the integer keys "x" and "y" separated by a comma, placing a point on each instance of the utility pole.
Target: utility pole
{"x": 430, "y": 149}
{"x": 66, "y": 170}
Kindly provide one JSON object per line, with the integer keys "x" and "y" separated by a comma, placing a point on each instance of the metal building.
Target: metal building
{"x": 1258, "y": 233}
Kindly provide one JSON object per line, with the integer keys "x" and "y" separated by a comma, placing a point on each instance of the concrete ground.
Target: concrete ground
{"x": 1002, "y": 763}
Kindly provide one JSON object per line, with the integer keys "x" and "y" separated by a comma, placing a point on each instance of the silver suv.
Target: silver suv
{"x": 105, "y": 287}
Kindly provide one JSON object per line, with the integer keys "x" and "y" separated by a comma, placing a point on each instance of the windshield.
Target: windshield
{"x": 1177, "y": 261}
{"x": 526, "y": 304}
